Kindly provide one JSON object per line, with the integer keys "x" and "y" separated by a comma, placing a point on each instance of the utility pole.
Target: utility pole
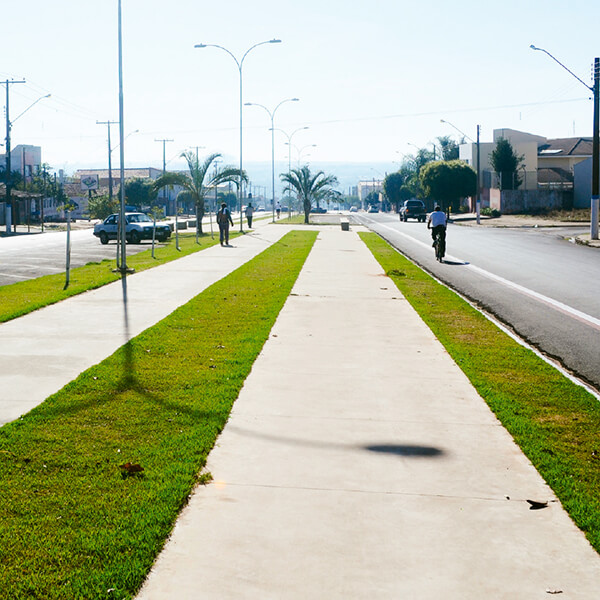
{"x": 110, "y": 180}
{"x": 164, "y": 143}
{"x": 478, "y": 203}
{"x": 595, "y": 154}
{"x": 8, "y": 182}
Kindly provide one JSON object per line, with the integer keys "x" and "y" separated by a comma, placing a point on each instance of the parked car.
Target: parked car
{"x": 138, "y": 227}
{"x": 318, "y": 210}
{"x": 413, "y": 209}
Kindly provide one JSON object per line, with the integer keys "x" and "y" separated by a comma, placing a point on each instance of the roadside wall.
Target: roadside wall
{"x": 520, "y": 201}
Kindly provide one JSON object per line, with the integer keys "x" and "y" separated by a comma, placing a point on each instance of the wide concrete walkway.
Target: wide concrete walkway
{"x": 359, "y": 462}
{"x": 41, "y": 352}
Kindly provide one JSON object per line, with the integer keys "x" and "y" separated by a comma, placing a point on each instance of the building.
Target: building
{"x": 367, "y": 186}
{"x": 549, "y": 165}
{"x": 25, "y": 159}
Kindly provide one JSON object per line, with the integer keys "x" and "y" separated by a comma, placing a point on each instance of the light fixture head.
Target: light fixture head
{"x": 200, "y": 46}
{"x": 274, "y": 41}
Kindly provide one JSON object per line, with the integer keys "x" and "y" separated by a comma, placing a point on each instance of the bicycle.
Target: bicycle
{"x": 439, "y": 245}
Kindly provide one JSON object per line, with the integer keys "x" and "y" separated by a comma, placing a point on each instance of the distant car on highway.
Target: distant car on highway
{"x": 413, "y": 209}
{"x": 373, "y": 209}
{"x": 138, "y": 227}
{"x": 353, "y": 209}
{"x": 318, "y": 210}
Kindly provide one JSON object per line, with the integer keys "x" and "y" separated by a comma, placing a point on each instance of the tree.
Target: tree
{"x": 100, "y": 207}
{"x": 449, "y": 147}
{"x": 309, "y": 187}
{"x": 392, "y": 185}
{"x": 198, "y": 181}
{"x": 448, "y": 181}
{"x": 506, "y": 163}
{"x": 140, "y": 192}
{"x": 372, "y": 198}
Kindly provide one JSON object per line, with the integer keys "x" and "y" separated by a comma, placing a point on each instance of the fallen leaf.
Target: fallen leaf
{"x": 131, "y": 468}
{"x": 535, "y": 505}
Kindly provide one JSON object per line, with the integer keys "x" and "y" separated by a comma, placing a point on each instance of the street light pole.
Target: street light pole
{"x": 8, "y": 166}
{"x": 122, "y": 264}
{"x": 240, "y": 64}
{"x": 289, "y": 143}
{"x": 595, "y": 89}
{"x": 477, "y": 143}
{"x": 110, "y": 180}
{"x": 272, "y": 117}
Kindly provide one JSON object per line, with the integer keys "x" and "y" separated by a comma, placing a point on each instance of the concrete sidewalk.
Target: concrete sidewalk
{"x": 43, "y": 351}
{"x": 359, "y": 462}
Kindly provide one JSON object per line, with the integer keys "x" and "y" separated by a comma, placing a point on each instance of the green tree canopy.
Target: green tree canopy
{"x": 448, "y": 181}
{"x": 392, "y": 185}
{"x": 100, "y": 207}
{"x": 309, "y": 186}
{"x": 139, "y": 192}
{"x": 506, "y": 162}
{"x": 449, "y": 147}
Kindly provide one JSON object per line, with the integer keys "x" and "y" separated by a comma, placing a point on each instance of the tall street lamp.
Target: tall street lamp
{"x": 240, "y": 64}
{"x": 8, "y": 169}
{"x": 122, "y": 263}
{"x": 301, "y": 150}
{"x": 272, "y": 117}
{"x": 289, "y": 137}
{"x": 478, "y": 202}
{"x": 595, "y": 89}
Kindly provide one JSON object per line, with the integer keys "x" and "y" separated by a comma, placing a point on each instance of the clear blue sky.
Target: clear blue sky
{"x": 372, "y": 77}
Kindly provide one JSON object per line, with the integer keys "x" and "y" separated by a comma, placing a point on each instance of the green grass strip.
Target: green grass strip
{"x": 554, "y": 421}
{"x": 71, "y": 525}
{"x": 21, "y": 298}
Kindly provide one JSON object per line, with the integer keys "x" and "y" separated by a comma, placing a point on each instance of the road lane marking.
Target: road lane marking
{"x": 551, "y": 302}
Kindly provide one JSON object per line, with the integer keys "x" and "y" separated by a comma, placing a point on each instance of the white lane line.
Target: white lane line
{"x": 551, "y": 302}
{"x": 559, "y": 306}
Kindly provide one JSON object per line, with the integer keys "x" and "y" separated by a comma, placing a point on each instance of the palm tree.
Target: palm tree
{"x": 309, "y": 186}
{"x": 198, "y": 181}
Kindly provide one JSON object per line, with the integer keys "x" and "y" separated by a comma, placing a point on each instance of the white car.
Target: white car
{"x": 138, "y": 227}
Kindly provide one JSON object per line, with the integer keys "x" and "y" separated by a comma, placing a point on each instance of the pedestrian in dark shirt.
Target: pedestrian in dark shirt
{"x": 223, "y": 220}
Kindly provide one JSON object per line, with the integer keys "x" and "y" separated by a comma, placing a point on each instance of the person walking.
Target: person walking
{"x": 249, "y": 213}
{"x": 278, "y": 208}
{"x": 223, "y": 220}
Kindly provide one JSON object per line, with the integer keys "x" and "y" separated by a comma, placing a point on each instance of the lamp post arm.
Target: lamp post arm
{"x": 256, "y": 46}
{"x": 589, "y": 87}
{"x": 30, "y": 106}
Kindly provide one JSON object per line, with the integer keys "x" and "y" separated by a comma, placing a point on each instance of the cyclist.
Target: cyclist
{"x": 437, "y": 223}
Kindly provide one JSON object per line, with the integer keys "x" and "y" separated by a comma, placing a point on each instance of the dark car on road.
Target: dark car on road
{"x": 139, "y": 226}
{"x": 413, "y": 209}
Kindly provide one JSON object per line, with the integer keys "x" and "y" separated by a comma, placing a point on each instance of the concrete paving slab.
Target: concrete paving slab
{"x": 342, "y": 475}
{"x": 43, "y": 351}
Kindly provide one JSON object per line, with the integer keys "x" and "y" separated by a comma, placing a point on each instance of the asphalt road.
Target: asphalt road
{"x": 544, "y": 287}
{"x": 27, "y": 256}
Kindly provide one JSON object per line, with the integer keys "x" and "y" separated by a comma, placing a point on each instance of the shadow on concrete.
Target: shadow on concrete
{"x": 408, "y": 450}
